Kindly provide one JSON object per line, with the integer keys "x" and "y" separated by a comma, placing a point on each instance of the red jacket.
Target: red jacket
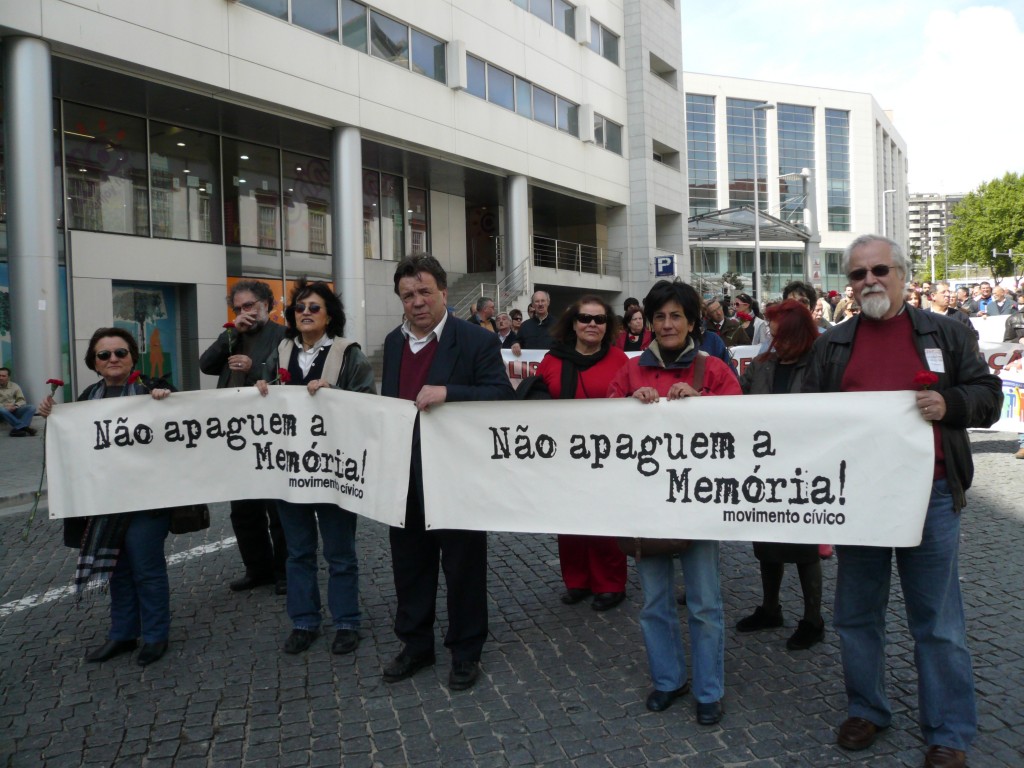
{"x": 718, "y": 379}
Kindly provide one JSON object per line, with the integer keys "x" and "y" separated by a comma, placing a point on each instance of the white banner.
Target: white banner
{"x": 1012, "y": 417}
{"x": 761, "y": 468}
{"x": 124, "y": 454}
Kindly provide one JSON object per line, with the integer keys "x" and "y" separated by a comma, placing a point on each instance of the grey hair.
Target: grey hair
{"x": 482, "y": 302}
{"x": 899, "y": 258}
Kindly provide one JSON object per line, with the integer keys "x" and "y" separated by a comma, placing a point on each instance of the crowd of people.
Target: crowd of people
{"x": 872, "y": 338}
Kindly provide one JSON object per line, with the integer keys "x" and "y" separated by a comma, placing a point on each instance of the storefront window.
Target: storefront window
{"x": 419, "y": 220}
{"x": 184, "y": 168}
{"x": 105, "y": 156}
{"x": 307, "y": 203}
{"x": 392, "y": 197}
{"x": 371, "y": 214}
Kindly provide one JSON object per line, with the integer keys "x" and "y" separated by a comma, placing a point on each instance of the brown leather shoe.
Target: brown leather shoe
{"x": 1020, "y": 454}
{"x": 856, "y": 733}
{"x": 944, "y": 757}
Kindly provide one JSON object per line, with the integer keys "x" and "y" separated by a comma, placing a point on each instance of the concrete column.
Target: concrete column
{"x": 518, "y": 249}
{"x": 31, "y": 218}
{"x": 347, "y": 237}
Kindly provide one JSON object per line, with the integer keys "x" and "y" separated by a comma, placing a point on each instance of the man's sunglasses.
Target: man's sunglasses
{"x": 245, "y": 307}
{"x": 586, "y": 319}
{"x": 121, "y": 353}
{"x": 313, "y": 308}
{"x": 879, "y": 270}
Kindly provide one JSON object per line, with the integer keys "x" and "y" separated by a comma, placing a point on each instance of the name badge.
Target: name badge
{"x": 934, "y": 359}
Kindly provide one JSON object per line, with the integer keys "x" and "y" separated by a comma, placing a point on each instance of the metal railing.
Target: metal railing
{"x": 466, "y": 306}
{"x": 576, "y": 257}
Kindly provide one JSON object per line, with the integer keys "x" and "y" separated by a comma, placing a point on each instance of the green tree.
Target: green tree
{"x": 992, "y": 217}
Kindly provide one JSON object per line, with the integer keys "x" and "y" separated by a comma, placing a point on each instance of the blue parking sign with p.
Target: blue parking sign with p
{"x": 665, "y": 266}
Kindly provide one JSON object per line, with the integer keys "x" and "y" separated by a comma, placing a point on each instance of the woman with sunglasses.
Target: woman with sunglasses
{"x": 674, "y": 367}
{"x": 748, "y": 313}
{"x": 581, "y": 364}
{"x": 140, "y": 598}
{"x": 317, "y": 357}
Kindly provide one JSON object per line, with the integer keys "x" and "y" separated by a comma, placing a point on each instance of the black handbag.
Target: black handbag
{"x": 190, "y": 518}
{"x": 638, "y": 547}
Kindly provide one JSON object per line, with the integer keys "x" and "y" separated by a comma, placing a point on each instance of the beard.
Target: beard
{"x": 874, "y": 302}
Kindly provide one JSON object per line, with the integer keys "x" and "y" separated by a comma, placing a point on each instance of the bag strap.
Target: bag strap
{"x": 698, "y": 371}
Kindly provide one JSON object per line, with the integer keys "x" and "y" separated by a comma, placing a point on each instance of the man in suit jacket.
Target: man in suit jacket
{"x": 433, "y": 358}
{"x": 505, "y": 333}
{"x": 238, "y": 358}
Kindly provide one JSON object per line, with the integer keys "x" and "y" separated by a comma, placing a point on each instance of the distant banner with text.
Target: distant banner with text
{"x": 753, "y": 468}
{"x": 125, "y": 454}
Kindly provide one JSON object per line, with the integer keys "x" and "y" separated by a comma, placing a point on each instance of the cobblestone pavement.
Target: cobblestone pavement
{"x": 560, "y": 685}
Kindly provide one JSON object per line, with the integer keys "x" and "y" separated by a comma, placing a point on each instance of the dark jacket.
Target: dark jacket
{"x": 972, "y": 393}
{"x": 1014, "y": 328}
{"x": 512, "y": 338}
{"x": 759, "y": 378}
{"x": 960, "y": 317}
{"x": 214, "y": 361}
{"x": 534, "y": 334}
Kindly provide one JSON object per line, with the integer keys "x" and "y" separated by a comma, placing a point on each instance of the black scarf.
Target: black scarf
{"x": 572, "y": 363}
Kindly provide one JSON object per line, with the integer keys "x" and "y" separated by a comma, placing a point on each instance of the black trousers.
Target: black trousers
{"x": 415, "y": 559}
{"x": 260, "y": 538}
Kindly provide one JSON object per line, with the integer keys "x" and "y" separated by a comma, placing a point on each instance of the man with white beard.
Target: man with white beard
{"x": 888, "y": 348}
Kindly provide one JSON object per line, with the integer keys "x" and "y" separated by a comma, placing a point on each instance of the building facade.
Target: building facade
{"x": 155, "y": 152}
{"x": 856, "y": 178}
{"x": 927, "y": 218}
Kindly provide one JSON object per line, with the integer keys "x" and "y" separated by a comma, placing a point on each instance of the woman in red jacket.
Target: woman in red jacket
{"x": 581, "y": 364}
{"x": 635, "y": 337}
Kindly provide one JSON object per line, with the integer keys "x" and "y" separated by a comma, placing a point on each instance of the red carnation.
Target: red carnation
{"x": 55, "y": 384}
{"x": 924, "y": 379}
{"x": 133, "y": 377}
{"x": 745, "y": 317}
{"x": 228, "y": 325}
{"x": 283, "y": 376}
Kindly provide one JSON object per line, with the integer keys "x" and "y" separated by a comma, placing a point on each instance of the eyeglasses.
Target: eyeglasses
{"x": 586, "y": 319}
{"x": 245, "y": 307}
{"x": 313, "y": 308}
{"x": 121, "y": 353}
{"x": 879, "y": 270}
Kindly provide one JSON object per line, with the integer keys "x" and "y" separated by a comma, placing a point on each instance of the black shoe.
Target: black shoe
{"x": 281, "y": 587}
{"x": 31, "y": 431}
{"x": 345, "y": 641}
{"x": 19, "y": 433}
{"x": 151, "y": 652}
{"x": 607, "y": 600}
{"x": 806, "y": 635}
{"x": 463, "y": 675}
{"x": 406, "y": 665}
{"x": 659, "y": 701}
{"x": 760, "y": 619}
{"x": 300, "y": 640}
{"x": 248, "y": 582}
{"x": 710, "y": 713}
{"x": 574, "y": 595}
{"x": 110, "y": 649}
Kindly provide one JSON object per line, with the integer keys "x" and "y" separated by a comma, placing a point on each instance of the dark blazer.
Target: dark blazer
{"x": 468, "y": 362}
{"x": 214, "y": 361}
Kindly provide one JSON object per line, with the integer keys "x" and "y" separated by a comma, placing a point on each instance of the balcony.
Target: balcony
{"x": 562, "y": 255}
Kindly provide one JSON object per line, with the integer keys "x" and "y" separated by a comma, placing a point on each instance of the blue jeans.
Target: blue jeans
{"x": 140, "y": 596}
{"x": 929, "y": 576}
{"x": 659, "y": 621}
{"x": 19, "y": 418}
{"x": 338, "y": 531}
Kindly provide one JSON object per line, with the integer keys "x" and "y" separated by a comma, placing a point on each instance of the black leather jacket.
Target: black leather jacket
{"x": 973, "y": 394}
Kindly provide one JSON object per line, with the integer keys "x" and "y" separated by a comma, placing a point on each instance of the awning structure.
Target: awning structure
{"x": 737, "y": 225}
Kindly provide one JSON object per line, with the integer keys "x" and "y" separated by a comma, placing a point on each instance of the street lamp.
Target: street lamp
{"x": 757, "y": 209}
{"x": 885, "y": 213}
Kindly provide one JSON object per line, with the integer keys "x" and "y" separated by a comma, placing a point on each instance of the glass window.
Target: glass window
{"x": 389, "y": 39}
{"x": 392, "y": 220}
{"x": 353, "y": 25}
{"x": 541, "y": 9}
{"x": 252, "y": 195}
{"x": 307, "y": 203}
{"x": 278, "y": 8}
{"x": 318, "y": 15}
{"x": 371, "y": 214}
{"x": 565, "y": 17}
{"x": 595, "y": 36}
{"x": 598, "y": 130}
{"x": 613, "y": 137}
{"x": 568, "y": 117}
{"x": 609, "y": 45}
{"x": 419, "y": 220}
{"x": 524, "y": 100}
{"x": 500, "y": 87}
{"x": 476, "y": 76}
{"x": 702, "y": 165}
{"x": 522, "y": 3}
{"x": 185, "y": 173}
{"x": 796, "y": 151}
{"x": 544, "y": 106}
{"x": 837, "y": 163}
{"x": 741, "y": 117}
{"x": 105, "y": 157}
{"x": 428, "y": 56}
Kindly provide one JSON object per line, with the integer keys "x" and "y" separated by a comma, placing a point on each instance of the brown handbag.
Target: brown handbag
{"x": 639, "y": 547}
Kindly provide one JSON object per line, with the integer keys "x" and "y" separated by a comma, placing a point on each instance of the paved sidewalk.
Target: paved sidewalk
{"x": 561, "y": 686}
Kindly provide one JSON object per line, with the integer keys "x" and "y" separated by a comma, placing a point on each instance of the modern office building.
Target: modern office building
{"x": 856, "y": 178}
{"x": 928, "y": 216}
{"x": 155, "y": 151}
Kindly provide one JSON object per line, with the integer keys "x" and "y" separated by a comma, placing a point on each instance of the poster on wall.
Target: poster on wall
{"x": 150, "y": 312}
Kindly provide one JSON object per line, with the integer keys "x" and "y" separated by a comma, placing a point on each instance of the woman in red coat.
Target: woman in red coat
{"x": 582, "y": 364}
{"x": 635, "y": 337}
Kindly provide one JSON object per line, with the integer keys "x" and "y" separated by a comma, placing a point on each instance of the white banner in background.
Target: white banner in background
{"x": 130, "y": 453}
{"x": 758, "y": 468}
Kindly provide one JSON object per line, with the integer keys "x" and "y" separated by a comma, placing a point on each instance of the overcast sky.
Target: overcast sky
{"x": 951, "y": 73}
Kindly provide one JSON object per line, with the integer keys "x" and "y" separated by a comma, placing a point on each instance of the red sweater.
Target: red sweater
{"x": 592, "y": 382}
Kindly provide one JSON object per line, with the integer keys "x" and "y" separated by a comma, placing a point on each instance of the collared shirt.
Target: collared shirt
{"x": 306, "y": 358}
{"x": 11, "y": 395}
{"x": 417, "y": 344}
